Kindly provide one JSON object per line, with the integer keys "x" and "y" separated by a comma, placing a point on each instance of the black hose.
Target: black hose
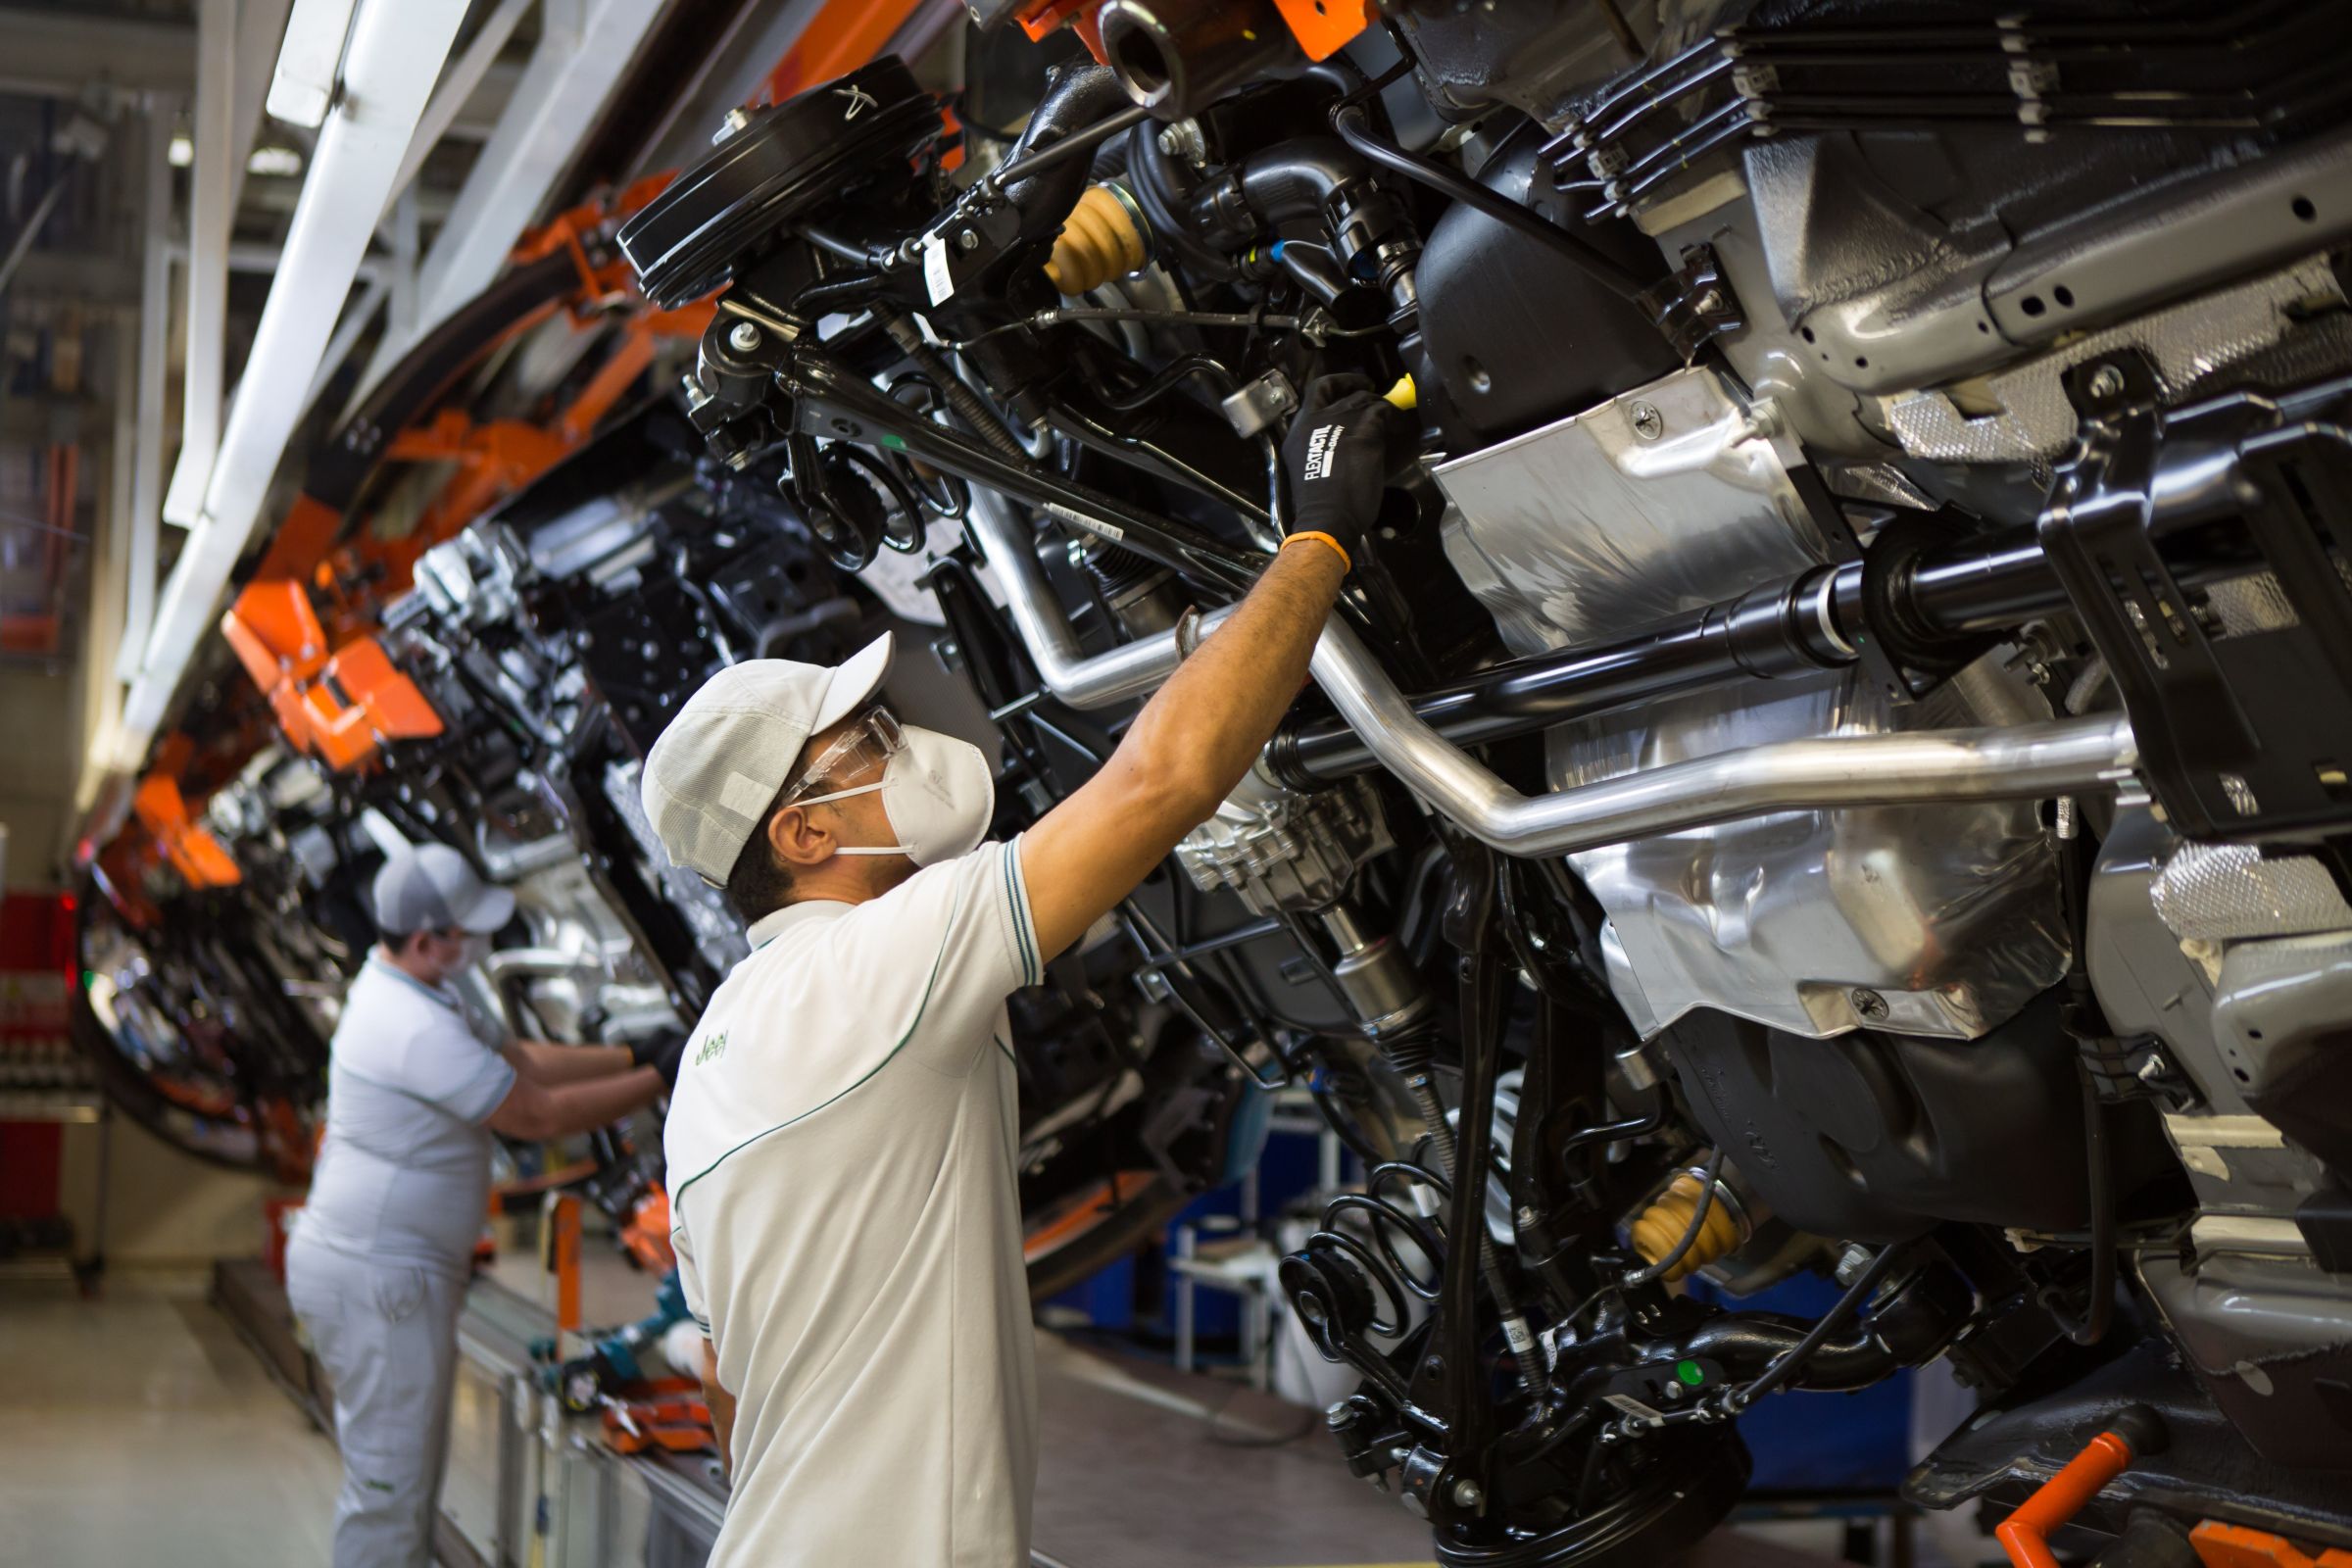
{"x": 1162, "y": 187}
{"x": 1616, "y": 1132}
{"x": 823, "y": 299}
{"x": 1356, "y": 130}
{"x": 1851, "y": 1360}
{"x": 2091, "y": 1327}
{"x": 1176, "y": 370}
{"x": 1077, "y": 141}
{"x": 1787, "y": 1364}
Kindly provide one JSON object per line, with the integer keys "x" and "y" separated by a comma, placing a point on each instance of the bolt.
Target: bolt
{"x": 1466, "y": 1493}
{"x": 1527, "y": 1219}
{"x": 1337, "y": 1416}
{"x": 1709, "y": 302}
{"x": 1648, "y": 423}
{"x": 968, "y": 240}
{"x": 1184, "y": 140}
{"x": 2107, "y": 382}
{"x": 736, "y": 120}
{"x": 1868, "y": 1003}
{"x": 744, "y": 337}
{"x": 1852, "y": 1261}
{"x": 2153, "y": 1068}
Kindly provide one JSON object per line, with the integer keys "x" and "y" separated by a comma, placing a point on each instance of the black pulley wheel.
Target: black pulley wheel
{"x": 788, "y": 163}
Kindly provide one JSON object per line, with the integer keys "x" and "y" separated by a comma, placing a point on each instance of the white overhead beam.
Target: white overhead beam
{"x": 302, "y": 87}
{"x": 397, "y": 49}
{"x": 585, "y": 48}
{"x": 260, "y": 26}
{"x": 356, "y": 317}
{"x": 459, "y": 83}
{"x": 155, "y": 332}
{"x": 210, "y": 215}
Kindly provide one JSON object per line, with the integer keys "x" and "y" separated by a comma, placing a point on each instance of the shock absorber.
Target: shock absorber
{"x": 1394, "y": 1010}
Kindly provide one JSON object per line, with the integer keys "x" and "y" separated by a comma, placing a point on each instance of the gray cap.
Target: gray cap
{"x": 430, "y": 887}
{"x": 713, "y": 772}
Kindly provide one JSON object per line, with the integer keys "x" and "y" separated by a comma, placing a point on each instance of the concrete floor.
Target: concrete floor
{"x": 140, "y": 1428}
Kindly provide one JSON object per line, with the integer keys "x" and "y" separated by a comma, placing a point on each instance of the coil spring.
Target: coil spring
{"x": 1383, "y": 1220}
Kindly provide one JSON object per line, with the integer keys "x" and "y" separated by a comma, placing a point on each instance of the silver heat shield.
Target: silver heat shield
{"x": 1935, "y": 920}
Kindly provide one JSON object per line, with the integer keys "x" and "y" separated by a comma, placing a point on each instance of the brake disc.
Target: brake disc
{"x": 784, "y": 165}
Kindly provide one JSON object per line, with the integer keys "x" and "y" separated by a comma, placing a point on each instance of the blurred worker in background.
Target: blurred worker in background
{"x": 843, "y": 1143}
{"x": 417, "y": 1082}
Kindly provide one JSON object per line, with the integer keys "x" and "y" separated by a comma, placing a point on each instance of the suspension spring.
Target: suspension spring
{"x": 1408, "y": 1052}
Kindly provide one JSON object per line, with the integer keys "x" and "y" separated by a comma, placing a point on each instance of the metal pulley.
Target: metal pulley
{"x": 784, "y": 165}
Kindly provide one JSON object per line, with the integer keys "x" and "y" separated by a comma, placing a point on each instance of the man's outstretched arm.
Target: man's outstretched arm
{"x": 1197, "y": 737}
{"x": 1184, "y": 753}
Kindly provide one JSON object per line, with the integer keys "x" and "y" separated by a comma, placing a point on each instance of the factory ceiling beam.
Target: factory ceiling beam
{"x": 396, "y": 51}
{"x": 211, "y": 216}
{"x": 584, "y": 48}
{"x": 261, "y": 23}
{"x": 61, "y": 52}
{"x": 460, "y": 83}
{"x": 146, "y": 499}
{"x": 55, "y": 52}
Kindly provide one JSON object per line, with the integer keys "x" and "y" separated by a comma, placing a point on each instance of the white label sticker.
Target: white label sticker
{"x": 935, "y": 268}
{"x": 1090, "y": 524}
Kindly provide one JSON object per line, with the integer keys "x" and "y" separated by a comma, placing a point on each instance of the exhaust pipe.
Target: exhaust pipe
{"x": 1177, "y": 56}
{"x": 2024, "y": 762}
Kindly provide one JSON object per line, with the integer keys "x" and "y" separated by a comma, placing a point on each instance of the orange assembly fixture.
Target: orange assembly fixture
{"x": 1325, "y": 27}
{"x": 2025, "y": 1534}
{"x": 2221, "y": 1546}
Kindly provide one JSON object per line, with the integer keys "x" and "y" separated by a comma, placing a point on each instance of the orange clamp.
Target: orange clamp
{"x": 2025, "y": 1535}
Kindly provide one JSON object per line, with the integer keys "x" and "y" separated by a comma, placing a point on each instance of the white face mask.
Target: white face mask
{"x": 938, "y": 793}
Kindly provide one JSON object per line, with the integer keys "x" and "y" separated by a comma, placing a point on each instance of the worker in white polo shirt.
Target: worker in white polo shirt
{"x": 842, "y": 1139}
{"x": 376, "y": 1270}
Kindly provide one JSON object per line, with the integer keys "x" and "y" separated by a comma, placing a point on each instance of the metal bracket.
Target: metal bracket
{"x": 2245, "y": 734}
{"x": 1694, "y": 305}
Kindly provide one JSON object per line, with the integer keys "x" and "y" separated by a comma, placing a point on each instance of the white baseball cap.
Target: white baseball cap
{"x": 431, "y": 887}
{"x": 713, "y": 772}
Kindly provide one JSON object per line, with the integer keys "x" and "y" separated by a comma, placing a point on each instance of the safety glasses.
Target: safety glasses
{"x": 869, "y": 743}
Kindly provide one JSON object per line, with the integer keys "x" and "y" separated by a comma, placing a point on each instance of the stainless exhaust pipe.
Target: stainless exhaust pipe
{"x": 1132, "y": 669}
{"x": 2022, "y": 763}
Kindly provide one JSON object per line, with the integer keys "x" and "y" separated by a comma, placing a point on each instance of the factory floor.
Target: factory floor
{"x": 140, "y": 1428}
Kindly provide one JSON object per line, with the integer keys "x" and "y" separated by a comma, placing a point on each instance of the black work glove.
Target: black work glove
{"x": 1335, "y": 459}
{"x": 663, "y": 1053}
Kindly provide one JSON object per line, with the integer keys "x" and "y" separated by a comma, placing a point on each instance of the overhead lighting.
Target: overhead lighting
{"x": 398, "y": 50}
{"x": 304, "y": 83}
{"x": 183, "y": 151}
{"x": 284, "y": 163}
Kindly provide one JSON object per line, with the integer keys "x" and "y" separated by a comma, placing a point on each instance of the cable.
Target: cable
{"x": 1200, "y": 365}
{"x": 1698, "y": 1220}
{"x": 2091, "y": 1327}
{"x": 1354, "y": 129}
{"x": 1117, "y": 313}
{"x": 1786, "y": 1365}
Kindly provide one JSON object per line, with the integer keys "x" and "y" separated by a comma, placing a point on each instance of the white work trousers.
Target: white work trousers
{"x": 387, "y": 1334}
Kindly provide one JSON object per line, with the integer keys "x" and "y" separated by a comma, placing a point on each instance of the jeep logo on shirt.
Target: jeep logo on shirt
{"x": 715, "y": 1045}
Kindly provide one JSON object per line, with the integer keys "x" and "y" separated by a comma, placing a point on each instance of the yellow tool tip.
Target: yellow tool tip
{"x": 1404, "y": 393}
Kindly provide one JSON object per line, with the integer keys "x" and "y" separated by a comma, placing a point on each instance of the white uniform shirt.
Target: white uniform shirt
{"x": 842, "y": 1150}
{"x": 413, "y": 1075}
